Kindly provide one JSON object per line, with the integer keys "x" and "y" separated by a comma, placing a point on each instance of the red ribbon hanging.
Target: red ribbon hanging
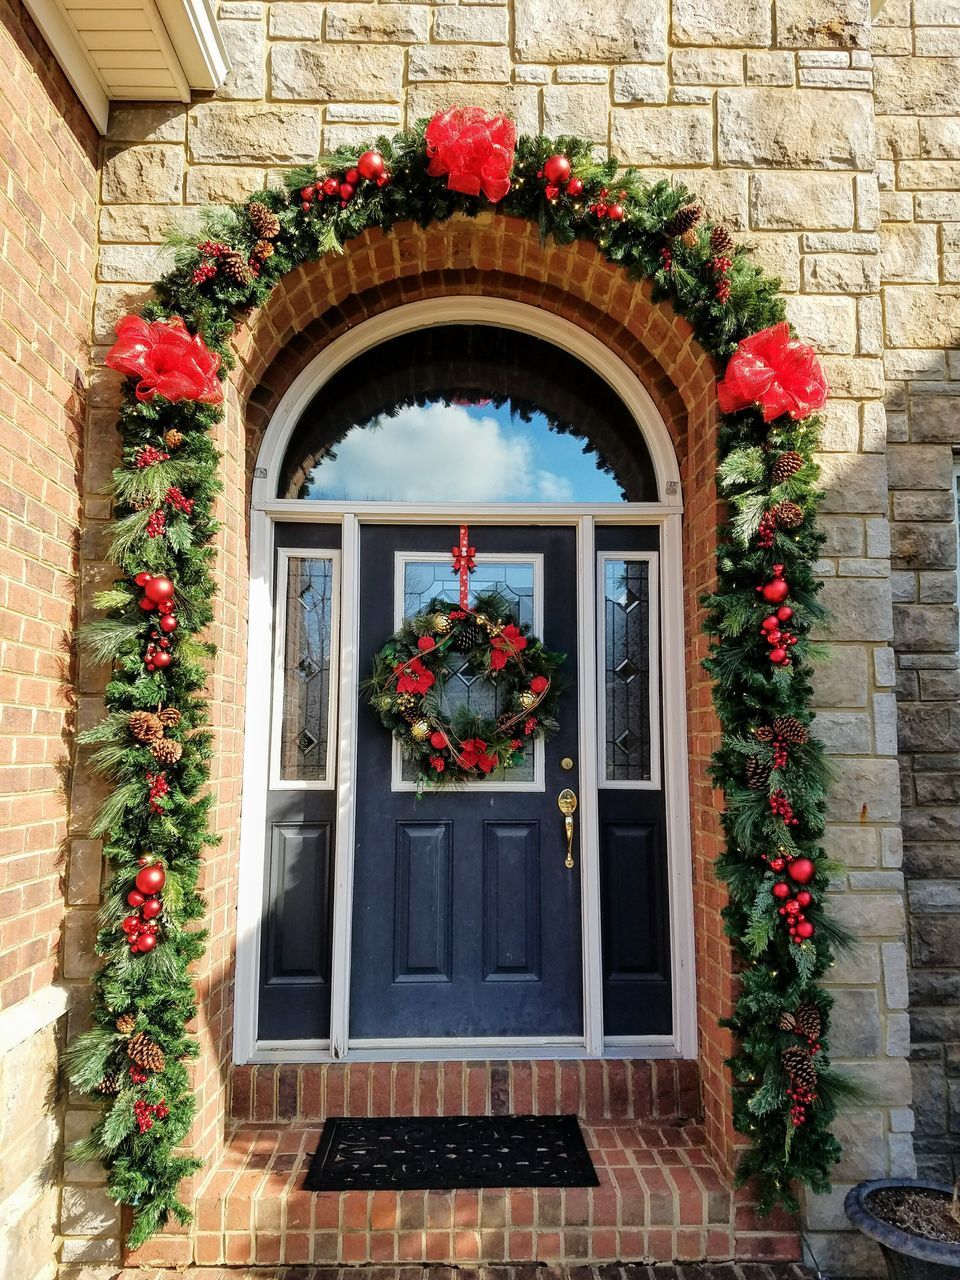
{"x": 464, "y": 563}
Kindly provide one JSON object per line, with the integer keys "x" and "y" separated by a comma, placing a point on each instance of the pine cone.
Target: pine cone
{"x": 763, "y": 733}
{"x": 166, "y": 750}
{"x": 233, "y": 267}
{"x": 406, "y": 704}
{"x": 808, "y": 1021}
{"x": 145, "y": 726}
{"x": 109, "y": 1085}
{"x": 799, "y": 1067}
{"x": 263, "y": 249}
{"x": 786, "y": 1021}
{"x": 721, "y": 241}
{"x": 790, "y": 729}
{"x": 468, "y": 637}
{"x": 169, "y": 717}
{"x": 173, "y": 439}
{"x": 146, "y": 1053}
{"x": 785, "y": 466}
{"x": 125, "y": 1023}
{"x": 265, "y": 223}
{"x": 684, "y": 223}
{"x": 788, "y": 515}
{"x": 757, "y": 773}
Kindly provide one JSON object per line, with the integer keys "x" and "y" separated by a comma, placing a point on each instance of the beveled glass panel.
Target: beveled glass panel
{"x": 626, "y": 667}
{"x": 307, "y": 669}
{"x": 424, "y": 581}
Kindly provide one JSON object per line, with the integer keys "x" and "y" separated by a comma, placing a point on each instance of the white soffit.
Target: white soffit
{"x": 133, "y": 50}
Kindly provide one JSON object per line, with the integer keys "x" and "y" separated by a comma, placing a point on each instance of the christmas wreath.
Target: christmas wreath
{"x": 406, "y": 689}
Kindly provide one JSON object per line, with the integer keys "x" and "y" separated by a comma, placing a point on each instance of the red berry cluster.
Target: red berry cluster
{"x": 780, "y": 753}
{"x": 557, "y": 175}
{"x": 721, "y": 266}
{"x": 156, "y": 525}
{"x": 766, "y": 529}
{"x": 138, "y": 1075}
{"x": 801, "y": 1099}
{"x": 159, "y": 789}
{"x": 144, "y": 1113}
{"x": 780, "y": 807}
{"x": 146, "y": 900}
{"x": 604, "y": 207}
{"x": 210, "y": 251}
{"x": 666, "y": 259}
{"x": 174, "y": 498}
{"x": 148, "y": 456}
{"x": 370, "y": 167}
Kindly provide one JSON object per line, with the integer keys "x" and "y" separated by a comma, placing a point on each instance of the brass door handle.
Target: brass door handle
{"x": 567, "y": 804}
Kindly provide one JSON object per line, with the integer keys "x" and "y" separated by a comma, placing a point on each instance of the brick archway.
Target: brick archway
{"x": 502, "y": 257}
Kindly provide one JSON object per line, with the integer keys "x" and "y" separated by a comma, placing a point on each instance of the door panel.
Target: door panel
{"x": 513, "y": 929}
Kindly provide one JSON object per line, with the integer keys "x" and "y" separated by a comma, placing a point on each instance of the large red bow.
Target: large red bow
{"x": 776, "y": 372}
{"x": 473, "y": 149}
{"x": 168, "y": 359}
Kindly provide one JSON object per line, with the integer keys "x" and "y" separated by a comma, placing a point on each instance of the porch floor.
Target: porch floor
{"x": 660, "y": 1199}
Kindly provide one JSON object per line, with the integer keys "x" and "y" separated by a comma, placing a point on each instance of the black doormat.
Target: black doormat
{"x": 407, "y": 1153}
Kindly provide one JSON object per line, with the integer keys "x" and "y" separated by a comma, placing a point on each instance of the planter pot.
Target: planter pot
{"x": 908, "y": 1257}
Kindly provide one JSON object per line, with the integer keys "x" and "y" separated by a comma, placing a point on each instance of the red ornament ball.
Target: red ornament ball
{"x": 151, "y": 908}
{"x": 802, "y": 870}
{"x": 804, "y": 897}
{"x": 151, "y": 879}
{"x": 784, "y": 613}
{"x": 158, "y": 590}
{"x": 781, "y": 889}
{"x": 147, "y": 605}
{"x": 805, "y": 929}
{"x": 168, "y": 623}
{"x": 135, "y": 898}
{"x": 556, "y": 169}
{"x": 769, "y": 623}
{"x": 778, "y": 656}
{"x": 130, "y": 924}
{"x": 162, "y": 659}
{"x": 575, "y": 187}
{"x": 776, "y": 591}
{"x": 142, "y": 579}
{"x": 777, "y": 864}
{"x": 352, "y": 176}
{"x": 371, "y": 165}
{"x": 615, "y": 212}
{"x": 330, "y": 186}
{"x": 146, "y": 942}
{"x": 346, "y": 190}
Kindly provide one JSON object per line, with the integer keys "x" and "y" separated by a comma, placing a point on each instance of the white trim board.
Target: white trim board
{"x": 665, "y": 514}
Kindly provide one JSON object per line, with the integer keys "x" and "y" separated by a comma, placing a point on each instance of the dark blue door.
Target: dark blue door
{"x": 466, "y": 922}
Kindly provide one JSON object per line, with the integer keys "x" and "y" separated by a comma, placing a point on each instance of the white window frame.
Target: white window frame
{"x": 284, "y": 556}
{"x": 652, "y": 560}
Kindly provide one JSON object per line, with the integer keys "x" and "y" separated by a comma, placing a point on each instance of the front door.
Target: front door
{"x": 466, "y": 920}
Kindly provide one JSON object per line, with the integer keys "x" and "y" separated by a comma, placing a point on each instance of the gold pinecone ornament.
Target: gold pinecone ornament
{"x": 441, "y": 624}
{"x": 233, "y": 267}
{"x": 146, "y": 1053}
{"x": 169, "y": 717}
{"x": 799, "y": 1067}
{"x": 166, "y": 751}
{"x": 145, "y": 726}
{"x": 757, "y": 773}
{"x": 406, "y": 704}
{"x": 420, "y": 730}
{"x": 173, "y": 439}
{"x": 265, "y": 223}
{"x": 786, "y": 465}
{"x": 527, "y": 699}
{"x": 683, "y": 225}
{"x": 126, "y": 1023}
{"x": 791, "y": 730}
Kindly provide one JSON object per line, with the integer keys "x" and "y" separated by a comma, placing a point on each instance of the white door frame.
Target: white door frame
{"x": 266, "y": 510}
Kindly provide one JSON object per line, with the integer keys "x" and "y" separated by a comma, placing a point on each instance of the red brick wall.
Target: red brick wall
{"x": 48, "y": 197}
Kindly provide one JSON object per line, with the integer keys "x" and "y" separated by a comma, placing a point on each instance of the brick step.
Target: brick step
{"x": 595, "y": 1089}
{"x": 660, "y": 1198}
{"x": 628, "y": 1271}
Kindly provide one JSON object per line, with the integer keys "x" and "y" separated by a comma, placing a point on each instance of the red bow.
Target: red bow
{"x": 473, "y": 149}
{"x": 168, "y": 359}
{"x": 776, "y": 372}
{"x": 464, "y": 564}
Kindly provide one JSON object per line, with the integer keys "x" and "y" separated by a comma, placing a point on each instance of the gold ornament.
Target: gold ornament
{"x": 528, "y": 699}
{"x": 420, "y": 730}
{"x": 482, "y": 619}
{"x": 405, "y": 702}
{"x": 384, "y": 703}
{"x": 441, "y": 623}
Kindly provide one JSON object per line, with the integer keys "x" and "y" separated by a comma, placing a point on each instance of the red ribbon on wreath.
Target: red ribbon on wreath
{"x": 777, "y": 373}
{"x": 464, "y": 563}
{"x": 473, "y": 149}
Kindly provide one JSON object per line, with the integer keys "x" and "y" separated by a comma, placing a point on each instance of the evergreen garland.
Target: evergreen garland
{"x": 783, "y": 1102}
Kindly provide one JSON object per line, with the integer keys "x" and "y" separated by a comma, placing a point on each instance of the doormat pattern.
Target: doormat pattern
{"x": 406, "y": 1153}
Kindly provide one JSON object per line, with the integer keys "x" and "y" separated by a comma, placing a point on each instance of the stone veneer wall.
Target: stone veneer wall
{"x": 48, "y": 205}
{"x": 918, "y": 100}
{"x": 766, "y": 111}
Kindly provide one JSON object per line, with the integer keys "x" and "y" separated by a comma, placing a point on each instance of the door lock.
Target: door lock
{"x": 566, "y": 763}
{"x": 567, "y": 804}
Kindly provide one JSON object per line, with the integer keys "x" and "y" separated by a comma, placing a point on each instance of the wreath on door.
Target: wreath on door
{"x": 406, "y": 687}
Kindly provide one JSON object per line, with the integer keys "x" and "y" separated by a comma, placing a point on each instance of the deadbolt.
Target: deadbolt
{"x": 566, "y": 763}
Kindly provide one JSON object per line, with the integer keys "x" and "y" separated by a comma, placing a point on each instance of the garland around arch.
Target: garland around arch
{"x": 155, "y": 743}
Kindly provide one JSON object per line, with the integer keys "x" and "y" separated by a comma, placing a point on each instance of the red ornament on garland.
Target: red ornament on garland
{"x": 805, "y": 929}
{"x": 168, "y": 623}
{"x": 371, "y": 165}
{"x": 777, "y": 589}
{"x": 158, "y": 589}
{"x": 135, "y": 898}
{"x": 151, "y": 879}
{"x": 151, "y": 908}
{"x": 801, "y": 870}
{"x": 475, "y": 151}
{"x": 804, "y": 897}
{"x": 556, "y": 169}
{"x": 781, "y": 889}
{"x": 575, "y": 187}
{"x": 167, "y": 359}
{"x": 775, "y": 372}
